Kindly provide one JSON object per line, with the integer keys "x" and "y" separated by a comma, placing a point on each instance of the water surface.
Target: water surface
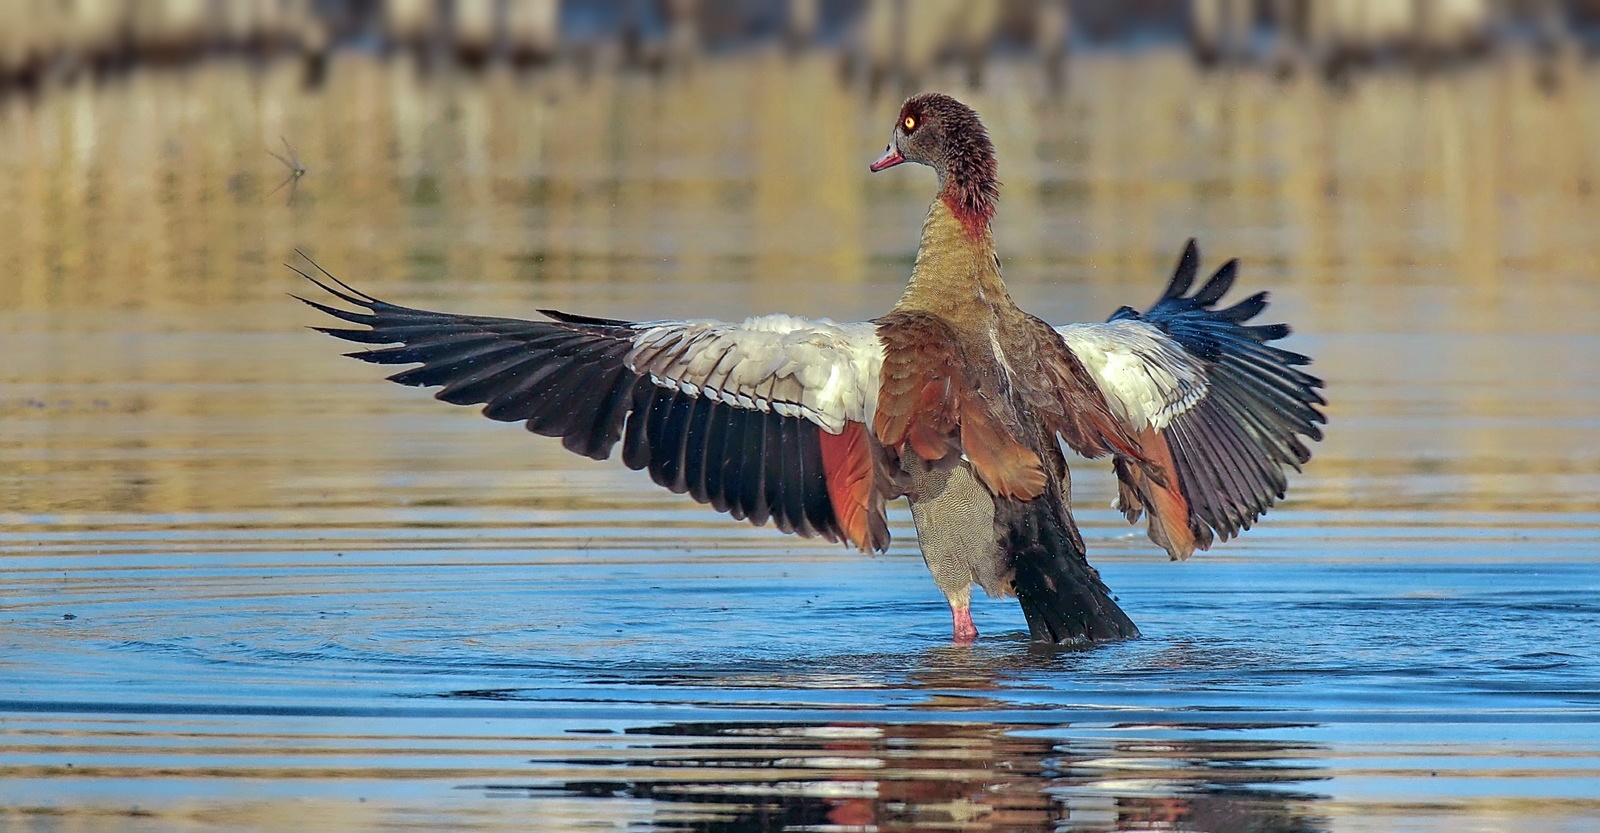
{"x": 245, "y": 584}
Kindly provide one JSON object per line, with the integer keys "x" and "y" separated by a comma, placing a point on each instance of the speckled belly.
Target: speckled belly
{"x": 954, "y": 514}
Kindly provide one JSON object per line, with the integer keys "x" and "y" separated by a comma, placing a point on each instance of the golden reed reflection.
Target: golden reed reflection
{"x": 1432, "y": 238}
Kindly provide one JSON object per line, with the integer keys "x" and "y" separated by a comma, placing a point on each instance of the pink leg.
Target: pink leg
{"x": 961, "y": 621}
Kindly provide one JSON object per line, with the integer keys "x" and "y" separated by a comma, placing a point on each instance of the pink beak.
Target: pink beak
{"x": 889, "y": 159}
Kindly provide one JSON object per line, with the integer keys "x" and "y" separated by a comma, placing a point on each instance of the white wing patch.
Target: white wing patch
{"x": 1146, "y": 377}
{"x": 814, "y": 369}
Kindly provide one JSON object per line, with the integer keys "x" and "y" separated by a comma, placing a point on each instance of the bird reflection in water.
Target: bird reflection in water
{"x": 946, "y": 763}
{"x": 945, "y": 775}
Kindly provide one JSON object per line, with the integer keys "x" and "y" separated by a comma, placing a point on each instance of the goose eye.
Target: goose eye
{"x": 910, "y": 123}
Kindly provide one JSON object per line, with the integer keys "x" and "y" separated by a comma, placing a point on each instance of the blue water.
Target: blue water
{"x": 1319, "y": 667}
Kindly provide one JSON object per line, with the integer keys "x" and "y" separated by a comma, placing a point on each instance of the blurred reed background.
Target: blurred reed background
{"x": 45, "y": 41}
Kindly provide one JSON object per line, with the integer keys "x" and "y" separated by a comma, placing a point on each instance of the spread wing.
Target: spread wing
{"x": 763, "y": 420}
{"x": 1216, "y": 408}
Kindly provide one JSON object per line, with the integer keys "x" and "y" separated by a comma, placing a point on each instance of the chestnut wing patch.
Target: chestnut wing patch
{"x": 571, "y": 378}
{"x": 932, "y": 402}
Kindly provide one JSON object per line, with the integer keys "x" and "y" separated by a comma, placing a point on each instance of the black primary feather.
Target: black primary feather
{"x": 1230, "y": 448}
{"x": 568, "y": 378}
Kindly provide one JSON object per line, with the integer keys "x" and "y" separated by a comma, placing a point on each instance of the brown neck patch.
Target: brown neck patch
{"x": 974, "y": 216}
{"x": 967, "y": 166}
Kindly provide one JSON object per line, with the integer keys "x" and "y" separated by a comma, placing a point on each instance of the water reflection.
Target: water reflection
{"x": 932, "y": 776}
{"x": 956, "y": 773}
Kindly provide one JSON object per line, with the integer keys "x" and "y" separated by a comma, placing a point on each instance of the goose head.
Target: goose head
{"x": 938, "y": 131}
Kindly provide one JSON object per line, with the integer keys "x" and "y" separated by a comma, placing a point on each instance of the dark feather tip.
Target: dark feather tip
{"x": 1218, "y": 285}
{"x": 1184, "y": 273}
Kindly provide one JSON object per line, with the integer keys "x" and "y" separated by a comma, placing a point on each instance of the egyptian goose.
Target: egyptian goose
{"x": 954, "y": 399}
